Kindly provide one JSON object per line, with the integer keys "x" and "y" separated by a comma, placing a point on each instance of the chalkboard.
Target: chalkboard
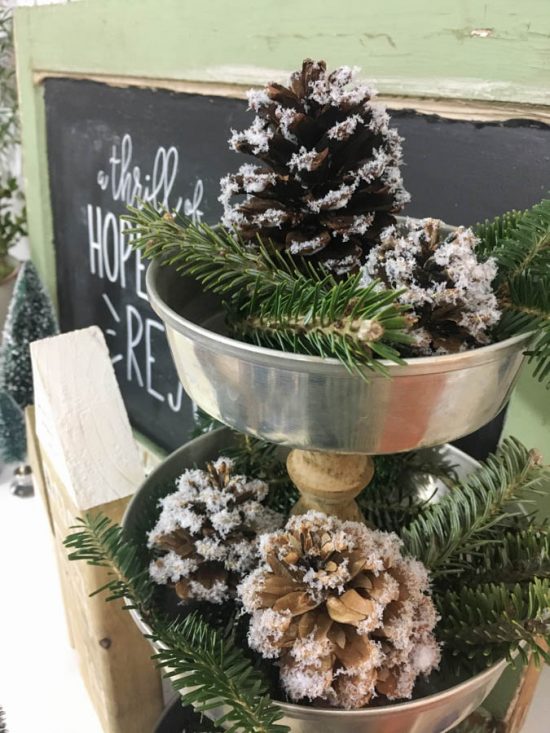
{"x": 108, "y": 145}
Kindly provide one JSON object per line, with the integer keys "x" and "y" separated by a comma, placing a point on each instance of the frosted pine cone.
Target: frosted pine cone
{"x": 209, "y": 531}
{"x": 344, "y": 613}
{"x": 330, "y": 179}
{"x": 447, "y": 286}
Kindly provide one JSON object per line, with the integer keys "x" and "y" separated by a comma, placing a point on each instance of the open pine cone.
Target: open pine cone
{"x": 208, "y": 530}
{"x": 330, "y": 179}
{"x": 346, "y": 615}
{"x": 448, "y": 288}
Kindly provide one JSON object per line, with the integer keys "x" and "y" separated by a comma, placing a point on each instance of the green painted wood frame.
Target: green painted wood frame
{"x": 464, "y": 52}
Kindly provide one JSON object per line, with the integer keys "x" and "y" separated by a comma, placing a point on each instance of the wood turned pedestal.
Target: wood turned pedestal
{"x": 329, "y": 482}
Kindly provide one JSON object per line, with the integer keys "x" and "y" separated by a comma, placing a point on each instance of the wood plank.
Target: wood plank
{"x": 489, "y": 51}
{"x": 454, "y": 109}
{"x": 81, "y": 421}
{"x": 87, "y": 459}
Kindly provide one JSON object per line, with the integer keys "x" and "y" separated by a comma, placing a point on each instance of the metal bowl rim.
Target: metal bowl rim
{"x": 306, "y": 711}
{"x": 288, "y": 360}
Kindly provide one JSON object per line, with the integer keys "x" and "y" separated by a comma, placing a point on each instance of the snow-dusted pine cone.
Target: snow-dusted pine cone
{"x": 209, "y": 531}
{"x": 448, "y": 288}
{"x": 347, "y": 616}
{"x": 330, "y": 179}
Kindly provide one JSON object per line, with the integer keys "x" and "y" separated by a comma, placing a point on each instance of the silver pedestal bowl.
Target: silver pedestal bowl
{"x": 439, "y": 705}
{"x": 314, "y": 403}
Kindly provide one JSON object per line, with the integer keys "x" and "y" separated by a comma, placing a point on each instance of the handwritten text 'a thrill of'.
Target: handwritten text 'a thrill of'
{"x": 111, "y": 256}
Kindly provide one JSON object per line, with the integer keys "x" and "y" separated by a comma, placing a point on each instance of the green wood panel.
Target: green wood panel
{"x": 470, "y": 49}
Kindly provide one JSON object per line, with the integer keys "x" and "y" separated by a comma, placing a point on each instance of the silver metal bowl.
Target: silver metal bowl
{"x": 310, "y": 402}
{"x": 439, "y": 709}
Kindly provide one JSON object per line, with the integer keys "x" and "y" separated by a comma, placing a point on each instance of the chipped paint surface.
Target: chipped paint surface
{"x": 495, "y": 51}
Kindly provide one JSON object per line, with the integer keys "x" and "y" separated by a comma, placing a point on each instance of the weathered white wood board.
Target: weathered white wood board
{"x": 81, "y": 422}
{"x": 84, "y": 458}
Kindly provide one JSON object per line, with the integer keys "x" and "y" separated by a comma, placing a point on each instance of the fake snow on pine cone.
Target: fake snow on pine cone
{"x": 208, "y": 530}
{"x": 448, "y": 288}
{"x": 330, "y": 177}
{"x": 347, "y": 616}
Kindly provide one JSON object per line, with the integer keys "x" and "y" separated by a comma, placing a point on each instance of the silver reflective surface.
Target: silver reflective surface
{"x": 309, "y": 402}
{"x": 437, "y": 712}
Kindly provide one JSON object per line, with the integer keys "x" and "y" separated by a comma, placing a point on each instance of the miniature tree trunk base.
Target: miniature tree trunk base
{"x": 329, "y": 482}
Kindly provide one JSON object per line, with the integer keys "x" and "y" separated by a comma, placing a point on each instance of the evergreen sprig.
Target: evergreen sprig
{"x": 272, "y": 300}
{"x": 520, "y": 244}
{"x": 519, "y": 241}
{"x": 517, "y": 557}
{"x": 208, "y": 669}
{"x": 487, "y": 622}
{"x": 461, "y": 521}
{"x": 100, "y": 542}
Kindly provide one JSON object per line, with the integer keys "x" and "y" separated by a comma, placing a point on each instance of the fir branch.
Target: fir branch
{"x": 100, "y": 542}
{"x": 527, "y": 309}
{"x": 203, "y": 423}
{"x": 274, "y": 302}
{"x": 519, "y": 241}
{"x": 489, "y": 621}
{"x": 3, "y": 726}
{"x": 459, "y": 523}
{"x": 209, "y": 670}
{"x": 520, "y": 244}
{"x": 517, "y": 557}
{"x": 198, "y": 656}
{"x": 493, "y": 232}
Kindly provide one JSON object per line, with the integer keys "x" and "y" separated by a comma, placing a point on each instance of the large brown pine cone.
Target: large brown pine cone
{"x": 330, "y": 179}
{"x": 208, "y": 532}
{"x": 347, "y": 616}
{"x": 453, "y": 304}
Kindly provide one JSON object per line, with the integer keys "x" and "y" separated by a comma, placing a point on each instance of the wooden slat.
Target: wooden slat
{"x": 82, "y": 456}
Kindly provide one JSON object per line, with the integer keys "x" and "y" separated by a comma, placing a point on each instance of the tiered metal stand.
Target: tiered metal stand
{"x": 334, "y": 421}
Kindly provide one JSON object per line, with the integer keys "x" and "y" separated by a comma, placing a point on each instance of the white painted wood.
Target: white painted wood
{"x": 81, "y": 421}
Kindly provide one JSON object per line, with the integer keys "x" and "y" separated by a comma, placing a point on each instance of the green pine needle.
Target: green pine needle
{"x": 460, "y": 523}
{"x": 274, "y": 302}
{"x": 518, "y": 556}
{"x": 520, "y": 243}
{"x": 490, "y": 621}
{"x": 493, "y": 232}
{"x": 101, "y": 542}
{"x": 197, "y": 656}
{"x": 209, "y": 670}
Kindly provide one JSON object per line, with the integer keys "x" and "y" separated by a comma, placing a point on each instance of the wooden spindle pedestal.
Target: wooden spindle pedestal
{"x": 329, "y": 482}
